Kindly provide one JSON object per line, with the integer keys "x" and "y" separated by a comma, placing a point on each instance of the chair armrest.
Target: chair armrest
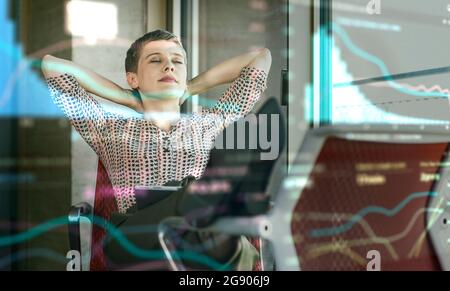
{"x": 168, "y": 246}
{"x": 80, "y": 209}
{"x": 76, "y": 212}
{"x": 252, "y": 226}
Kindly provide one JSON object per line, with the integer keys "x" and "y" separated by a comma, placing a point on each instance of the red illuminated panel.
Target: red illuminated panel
{"x": 366, "y": 196}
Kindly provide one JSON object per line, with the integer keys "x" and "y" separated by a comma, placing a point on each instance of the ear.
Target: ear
{"x": 132, "y": 80}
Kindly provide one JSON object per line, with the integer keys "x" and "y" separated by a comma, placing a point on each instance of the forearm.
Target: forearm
{"x": 223, "y": 73}
{"x": 89, "y": 80}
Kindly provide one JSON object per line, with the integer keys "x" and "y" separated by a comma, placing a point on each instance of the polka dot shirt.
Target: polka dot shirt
{"x": 135, "y": 152}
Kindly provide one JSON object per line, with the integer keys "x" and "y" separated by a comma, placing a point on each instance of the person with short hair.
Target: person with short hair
{"x": 163, "y": 145}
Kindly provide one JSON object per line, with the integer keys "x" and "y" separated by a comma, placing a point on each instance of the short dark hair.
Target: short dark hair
{"x": 134, "y": 52}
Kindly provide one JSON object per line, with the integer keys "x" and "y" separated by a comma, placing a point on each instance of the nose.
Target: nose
{"x": 169, "y": 67}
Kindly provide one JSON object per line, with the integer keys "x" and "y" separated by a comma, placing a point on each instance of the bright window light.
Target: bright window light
{"x": 91, "y": 20}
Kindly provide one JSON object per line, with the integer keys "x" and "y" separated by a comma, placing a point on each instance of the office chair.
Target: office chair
{"x": 245, "y": 195}
{"x": 354, "y": 191}
{"x": 104, "y": 206}
{"x": 251, "y": 203}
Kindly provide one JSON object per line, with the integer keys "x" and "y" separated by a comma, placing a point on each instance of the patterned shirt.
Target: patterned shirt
{"x": 135, "y": 152}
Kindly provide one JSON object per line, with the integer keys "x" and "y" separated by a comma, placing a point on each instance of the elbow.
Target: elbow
{"x": 266, "y": 52}
{"x": 263, "y": 61}
{"x": 45, "y": 64}
{"x": 46, "y": 59}
{"x": 267, "y": 55}
{"x": 49, "y": 66}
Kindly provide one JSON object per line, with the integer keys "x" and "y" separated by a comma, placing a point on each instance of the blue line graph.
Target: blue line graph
{"x": 116, "y": 234}
{"x": 33, "y": 253}
{"x": 350, "y": 105}
{"x": 380, "y": 64}
{"x": 322, "y": 232}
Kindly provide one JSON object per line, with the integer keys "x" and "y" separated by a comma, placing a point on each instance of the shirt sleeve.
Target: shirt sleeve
{"x": 240, "y": 98}
{"x": 84, "y": 112}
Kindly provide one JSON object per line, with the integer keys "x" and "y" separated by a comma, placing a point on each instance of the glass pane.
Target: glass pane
{"x": 400, "y": 42}
{"x": 230, "y": 28}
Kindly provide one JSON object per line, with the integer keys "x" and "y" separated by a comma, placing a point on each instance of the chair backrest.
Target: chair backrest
{"x": 354, "y": 193}
{"x": 235, "y": 180}
{"x": 104, "y": 205}
{"x": 260, "y": 169}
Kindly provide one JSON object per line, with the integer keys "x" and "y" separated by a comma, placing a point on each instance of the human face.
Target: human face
{"x": 162, "y": 71}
